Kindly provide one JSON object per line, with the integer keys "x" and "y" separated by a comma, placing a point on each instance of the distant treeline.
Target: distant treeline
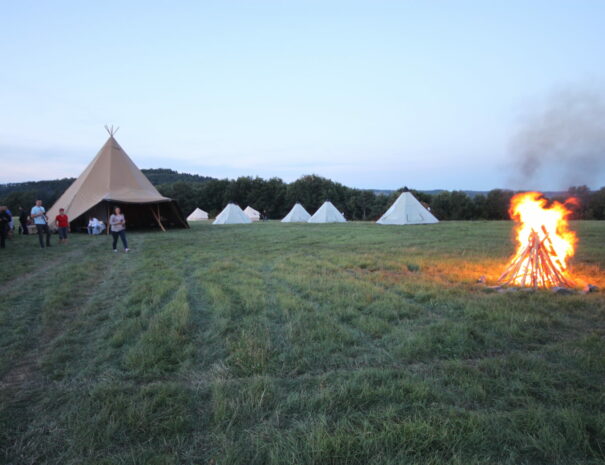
{"x": 494, "y": 205}
{"x": 26, "y": 193}
{"x": 159, "y": 176}
{"x": 275, "y": 197}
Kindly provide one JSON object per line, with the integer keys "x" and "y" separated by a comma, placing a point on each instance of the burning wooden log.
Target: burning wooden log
{"x": 544, "y": 244}
{"x": 535, "y": 266}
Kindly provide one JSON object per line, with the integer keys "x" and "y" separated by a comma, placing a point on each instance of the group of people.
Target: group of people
{"x": 95, "y": 226}
{"x": 7, "y": 224}
{"x": 37, "y": 215}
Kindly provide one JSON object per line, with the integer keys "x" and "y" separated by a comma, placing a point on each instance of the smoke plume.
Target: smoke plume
{"x": 563, "y": 143}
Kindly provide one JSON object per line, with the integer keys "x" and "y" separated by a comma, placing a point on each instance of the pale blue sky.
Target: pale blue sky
{"x": 373, "y": 94}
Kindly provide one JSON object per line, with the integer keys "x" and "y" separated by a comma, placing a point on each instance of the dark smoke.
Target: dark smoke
{"x": 565, "y": 140}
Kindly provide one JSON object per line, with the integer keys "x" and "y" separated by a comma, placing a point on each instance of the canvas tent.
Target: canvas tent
{"x": 298, "y": 214}
{"x": 407, "y": 210}
{"x": 252, "y": 213}
{"x": 113, "y": 180}
{"x": 197, "y": 215}
{"x": 232, "y": 214}
{"x": 327, "y": 213}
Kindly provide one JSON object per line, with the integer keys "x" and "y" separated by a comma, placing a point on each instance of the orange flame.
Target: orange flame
{"x": 544, "y": 242}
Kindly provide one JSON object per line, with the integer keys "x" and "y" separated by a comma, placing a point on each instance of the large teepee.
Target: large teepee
{"x": 298, "y": 214}
{"x": 407, "y": 210}
{"x": 232, "y": 214}
{"x": 327, "y": 213}
{"x": 197, "y": 215}
{"x": 251, "y": 213}
{"x": 113, "y": 180}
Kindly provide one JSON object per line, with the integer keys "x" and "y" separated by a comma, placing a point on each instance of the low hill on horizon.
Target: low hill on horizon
{"x": 275, "y": 196}
{"x": 470, "y": 193}
{"x": 159, "y": 176}
{"x": 51, "y": 189}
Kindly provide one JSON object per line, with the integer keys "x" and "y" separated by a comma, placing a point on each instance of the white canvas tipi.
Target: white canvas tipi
{"x": 197, "y": 215}
{"x": 298, "y": 214}
{"x": 407, "y": 210}
{"x": 252, "y": 213}
{"x": 232, "y": 214}
{"x": 327, "y": 213}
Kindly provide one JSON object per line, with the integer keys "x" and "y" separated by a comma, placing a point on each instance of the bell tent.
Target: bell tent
{"x": 251, "y": 213}
{"x": 232, "y": 214}
{"x": 327, "y": 213}
{"x": 197, "y": 215}
{"x": 407, "y": 210}
{"x": 113, "y": 180}
{"x": 298, "y": 214}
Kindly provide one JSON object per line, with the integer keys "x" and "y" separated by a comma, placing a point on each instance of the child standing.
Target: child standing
{"x": 62, "y": 223}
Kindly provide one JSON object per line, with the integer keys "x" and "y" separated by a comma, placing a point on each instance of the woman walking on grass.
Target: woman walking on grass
{"x": 117, "y": 223}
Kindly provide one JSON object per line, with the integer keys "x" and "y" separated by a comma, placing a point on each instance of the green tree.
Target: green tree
{"x": 441, "y": 205}
{"x": 581, "y": 209}
{"x": 461, "y": 206}
{"x": 479, "y": 207}
{"x": 497, "y": 204}
{"x": 596, "y": 204}
{"x": 14, "y": 200}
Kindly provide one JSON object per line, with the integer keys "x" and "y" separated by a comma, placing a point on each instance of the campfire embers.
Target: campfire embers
{"x": 544, "y": 244}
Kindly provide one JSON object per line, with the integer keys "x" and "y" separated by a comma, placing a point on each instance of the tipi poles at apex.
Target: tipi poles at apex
{"x": 111, "y": 131}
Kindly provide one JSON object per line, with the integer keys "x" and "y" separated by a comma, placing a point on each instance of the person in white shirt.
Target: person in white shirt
{"x": 95, "y": 226}
{"x": 38, "y": 214}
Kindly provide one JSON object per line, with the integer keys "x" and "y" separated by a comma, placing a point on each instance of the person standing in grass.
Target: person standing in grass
{"x": 5, "y": 220}
{"x": 23, "y": 217}
{"x": 11, "y": 225}
{"x": 117, "y": 223}
{"x": 38, "y": 214}
{"x": 62, "y": 223}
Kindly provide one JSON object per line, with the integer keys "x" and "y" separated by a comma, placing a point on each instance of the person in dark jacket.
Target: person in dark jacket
{"x": 23, "y": 217}
{"x": 5, "y": 220}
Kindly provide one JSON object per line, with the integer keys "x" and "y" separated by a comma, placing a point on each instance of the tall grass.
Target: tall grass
{"x": 312, "y": 344}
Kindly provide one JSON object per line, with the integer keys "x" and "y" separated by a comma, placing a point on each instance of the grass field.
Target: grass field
{"x": 297, "y": 344}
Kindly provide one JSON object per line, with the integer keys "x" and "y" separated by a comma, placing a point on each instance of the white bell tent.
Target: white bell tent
{"x": 327, "y": 213}
{"x": 198, "y": 215}
{"x": 251, "y": 213}
{"x": 232, "y": 214}
{"x": 407, "y": 210}
{"x": 298, "y": 214}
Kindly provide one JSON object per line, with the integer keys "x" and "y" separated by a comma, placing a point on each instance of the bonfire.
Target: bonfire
{"x": 544, "y": 243}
